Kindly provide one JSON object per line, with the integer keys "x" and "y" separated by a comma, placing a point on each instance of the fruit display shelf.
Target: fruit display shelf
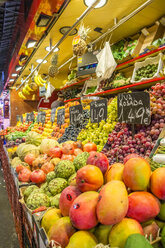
{"x": 80, "y": 82}
{"x": 136, "y": 86}
{"x": 140, "y": 57}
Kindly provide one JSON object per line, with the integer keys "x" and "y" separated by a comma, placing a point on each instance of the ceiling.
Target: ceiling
{"x": 104, "y": 18}
{"x": 8, "y": 17}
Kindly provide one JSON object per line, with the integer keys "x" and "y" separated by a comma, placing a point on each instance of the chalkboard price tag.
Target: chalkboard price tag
{"x": 43, "y": 117}
{"x": 75, "y": 113}
{"x": 32, "y": 116}
{"x": 38, "y": 117}
{"x": 61, "y": 116}
{"x": 134, "y": 108}
{"x": 18, "y": 118}
{"x": 28, "y": 117}
{"x": 53, "y": 112}
{"x": 21, "y": 118}
{"x": 98, "y": 111}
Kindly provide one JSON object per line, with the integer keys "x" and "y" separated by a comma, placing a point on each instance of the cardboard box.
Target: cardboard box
{"x": 147, "y": 36}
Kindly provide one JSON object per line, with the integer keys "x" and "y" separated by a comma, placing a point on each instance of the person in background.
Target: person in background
{"x": 59, "y": 102}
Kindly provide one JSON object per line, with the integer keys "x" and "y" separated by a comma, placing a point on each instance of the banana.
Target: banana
{"x": 38, "y": 78}
{"x": 36, "y": 81}
{"x": 27, "y": 87}
{"x": 41, "y": 79}
{"x": 21, "y": 95}
{"x": 25, "y": 92}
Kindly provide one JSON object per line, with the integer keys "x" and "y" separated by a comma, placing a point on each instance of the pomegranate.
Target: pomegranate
{"x": 29, "y": 158}
{"x": 55, "y": 152}
{"x": 47, "y": 167}
{"x": 98, "y": 159}
{"x": 24, "y": 175}
{"x": 38, "y": 176}
{"x": 132, "y": 155}
{"x": 90, "y": 147}
{"x": 68, "y": 149}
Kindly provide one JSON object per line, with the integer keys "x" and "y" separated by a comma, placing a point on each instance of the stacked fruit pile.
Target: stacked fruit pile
{"x": 121, "y": 141}
{"x": 99, "y": 133}
{"x": 118, "y": 204}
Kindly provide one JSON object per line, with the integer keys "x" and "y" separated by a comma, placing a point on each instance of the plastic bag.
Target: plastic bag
{"x": 49, "y": 91}
{"x": 106, "y": 63}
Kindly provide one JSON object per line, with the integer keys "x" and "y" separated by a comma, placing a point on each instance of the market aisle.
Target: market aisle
{"x": 8, "y": 236}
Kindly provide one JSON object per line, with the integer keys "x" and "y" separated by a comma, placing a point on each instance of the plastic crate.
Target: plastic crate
{"x": 153, "y": 60}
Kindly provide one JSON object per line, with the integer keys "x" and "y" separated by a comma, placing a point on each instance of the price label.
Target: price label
{"x": 134, "y": 108}
{"x": 61, "y": 116}
{"x": 39, "y": 117}
{"x": 53, "y": 112}
{"x": 76, "y": 114}
{"x": 28, "y": 117}
{"x": 76, "y": 40}
{"x": 32, "y": 116}
{"x": 21, "y": 118}
{"x": 18, "y": 118}
{"x": 43, "y": 117}
{"x": 98, "y": 111}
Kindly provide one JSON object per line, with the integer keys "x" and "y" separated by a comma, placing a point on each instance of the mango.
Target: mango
{"x": 67, "y": 197}
{"x": 136, "y": 174}
{"x": 102, "y": 233}
{"x": 115, "y": 172}
{"x": 89, "y": 178}
{"x": 82, "y": 239}
{"x": 121, "y": 231}
{"x": 61, "y": 231}
{"x": 161, "y": 215}
{"x": 143, "y": 206}
{"x": 83, "y": 210}
{"x": 50, "y": 218}
{"x": 158, "y": 183}
{"x": 112, "y": 206}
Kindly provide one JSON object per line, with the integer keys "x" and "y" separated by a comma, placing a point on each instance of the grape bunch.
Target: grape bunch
{"x": 98, "y": 133}
{"x": 72, "y": 132}
{"x": 121, "y": 141}
{"x": 157, "y": 96}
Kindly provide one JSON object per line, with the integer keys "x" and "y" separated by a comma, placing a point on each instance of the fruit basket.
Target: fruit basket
{"x": 148, "y": 69}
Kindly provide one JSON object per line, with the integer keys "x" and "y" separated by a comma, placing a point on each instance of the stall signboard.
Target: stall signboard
{"x": 98, "y": 111}
{"x": 134, "y": 108}
{"x": 76, "y": 115}
{"x": 53, "y": 113}
{"x": 61, "y": 116}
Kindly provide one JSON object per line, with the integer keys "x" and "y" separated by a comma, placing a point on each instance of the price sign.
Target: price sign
{"x": 32, "y": 116}
{"x": 28, "y": 117}
{"x": 43, "y": 116}
{"x": 61, "y": 116}
{"x": 98, "y": 111}
{"x": 39, "y": 117}
{"x": 53, "y": 112}
{"x": 75, "y": 113}
{"x": 18, "y": 118}
{"x": 134, "y": 108}
{"x": 21, "y": 118}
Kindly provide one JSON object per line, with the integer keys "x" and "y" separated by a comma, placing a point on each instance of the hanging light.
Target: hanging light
{"x": 55, "y": 50}
{"x": 99, "y": 5}
{"x": 14, "y": 74}
{"x": 18, "y": 68}
{"x": 31, "y": 43}
{"x": 40, "y": 61}
{"x": 11, "y": 80}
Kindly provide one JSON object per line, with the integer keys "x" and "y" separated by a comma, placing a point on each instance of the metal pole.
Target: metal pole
{"x": 85, "y": 13}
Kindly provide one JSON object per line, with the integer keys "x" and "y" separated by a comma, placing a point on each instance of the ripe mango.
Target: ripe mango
{"x": 61, "y": 231}
{"x": 102, "y": 234}
{"x": 83, "y": 210}
{"x": 82, "y": 239}
{"x": 115, "y": 172}
{"x": 121, "y": 231}
{"x": 143, "y": 206}
{"x": 112, "y": 206}
{"x": 50, "y": 218}
{"x": 136, "y": 174}
{"x": 158, "y": 183}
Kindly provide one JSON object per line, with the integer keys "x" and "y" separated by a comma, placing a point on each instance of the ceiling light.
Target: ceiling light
{"x": 43, "y": 20}
{"x": 11, "y": 80}
{"x": 18, "y": 68}
{"x": 14, "y": 74}
{"x": 31, "y": 43}
{"x": 65, "y": 29}
{"x": 55, "y": 50}
{"x": 99, "y": 5}
{"x": 40, "y": 61}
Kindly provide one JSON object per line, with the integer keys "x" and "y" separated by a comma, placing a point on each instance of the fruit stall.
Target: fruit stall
{"x": 91, "y": 172}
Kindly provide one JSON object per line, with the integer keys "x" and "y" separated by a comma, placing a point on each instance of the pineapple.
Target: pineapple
{"x": 54, "y": 59}
{"x": 53, "y": 70}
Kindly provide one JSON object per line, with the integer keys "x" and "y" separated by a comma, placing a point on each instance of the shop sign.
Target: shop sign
{"x": 134, "y": 108}
{"x": 98, "y": 111}
{"x": 76, "y": 115}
